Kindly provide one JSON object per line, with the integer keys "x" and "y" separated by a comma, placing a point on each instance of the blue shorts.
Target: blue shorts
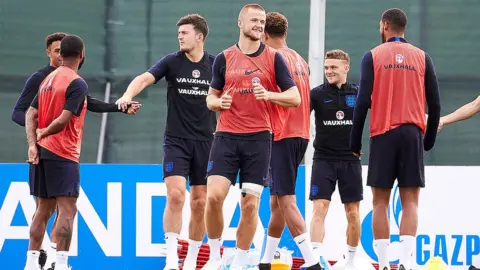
{"x": 397, "y": 154}
{"x": 287, "y": 154}
{"x": 187, "y": 158}
{"x": 54, "y": 178}
{"x": 228, "y": 156}
{"x": 326, "y": 173}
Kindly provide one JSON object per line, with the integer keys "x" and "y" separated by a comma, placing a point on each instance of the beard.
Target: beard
{"x": 382, "y": 35}
{"x": 81, "y": 63}
{"x": 186, "y": 50}
{"x": 250, "y": 36}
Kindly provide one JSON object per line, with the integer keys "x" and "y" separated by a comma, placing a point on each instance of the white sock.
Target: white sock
{"x": 171, "y": 240}
{"x": 61, "y": 260}
{"x": 305, "y": 246}
{"x": 51, "y": 253}
{"x": 270, "y": 248}
{"x": 241, "y": 257}
{"x": 351, "y": 251}
{"x": 381, "y": 247}
{"x": 318, "y": 248}
{"x": 215, "y": 245}
{"x": 32, "y": 260}
{"x": 407, "y": 247}
{"x": 193, "y": 249}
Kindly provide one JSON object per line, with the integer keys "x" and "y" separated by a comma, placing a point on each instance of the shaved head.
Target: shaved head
{"x": 249, "y": 6}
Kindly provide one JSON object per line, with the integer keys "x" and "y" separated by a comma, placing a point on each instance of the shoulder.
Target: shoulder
{"x": 174, "y": 56}
{"x": 42, "y": 73}
{"x": 353, "y": 87}
{"x": 78, "y": 83}
{"x": 210, "y": 57}
{"x": 319, "y": 88}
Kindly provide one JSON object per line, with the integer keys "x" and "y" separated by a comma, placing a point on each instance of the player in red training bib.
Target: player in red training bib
{"x": 246, "y": 78}
{"x": 291, "y": 128}
{"x": 54, "y": 127}
{"x": 397, "y": 82}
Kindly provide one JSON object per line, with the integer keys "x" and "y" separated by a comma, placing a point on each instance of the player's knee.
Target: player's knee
{"x": 214, "y": 200}
{"x": 320, "y": 209}
{"x": 287, "y": 202}
{"x": 249, "y": 205}
{"x": 353, "y": 217}
{"x": 274, "y": 204}
{"x": 197, "y": 206}
{"x": 176, "y": 197}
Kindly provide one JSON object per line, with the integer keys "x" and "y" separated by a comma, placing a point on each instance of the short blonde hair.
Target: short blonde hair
{"x": 337, "y": 54}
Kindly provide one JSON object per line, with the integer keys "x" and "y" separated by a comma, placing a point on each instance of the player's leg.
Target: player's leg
{"x": 350, "y": 187}
{"x": 254, "y": 167}
{"x": 411, "y": 178}
{"x": 198, "y": 196}
{"x": 42, "y": 258}
{"x": 322, "y": 186}
{"x": 176, "y": 166}
{"x": 44, "y": 210}
{"x": 276, "y": 224}
{"x": 287, "y": 155}
{"x": 382, "y": 172}
{"x": 221, "y": 173}
{"x": 64, "y": 185}
{"x": 51, "y": 250}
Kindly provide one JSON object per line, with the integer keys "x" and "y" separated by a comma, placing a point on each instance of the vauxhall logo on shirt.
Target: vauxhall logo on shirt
{"x": 399, "y": 59}
{"x": 199, "y": 85}
{"x": 340, "y": 115}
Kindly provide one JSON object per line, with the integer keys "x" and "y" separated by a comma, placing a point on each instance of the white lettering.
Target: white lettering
{"x": 193, "y": 92}
{"x": 337, "y": 123}
{"x": 17, "y": 193}
{"x": 193, "y": 81}
{"x": 109, "y": 236}
{"x": 145, "y": 192}
{"x": 109, "y": 240}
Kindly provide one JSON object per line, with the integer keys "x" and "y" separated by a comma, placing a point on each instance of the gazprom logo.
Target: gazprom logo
{"x": 455, "y": 248}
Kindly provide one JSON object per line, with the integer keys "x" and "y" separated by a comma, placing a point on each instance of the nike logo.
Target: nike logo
{"x": 328, "y": 101}
{"x": 251, "y": 71}
{"x": 301, "y": 242}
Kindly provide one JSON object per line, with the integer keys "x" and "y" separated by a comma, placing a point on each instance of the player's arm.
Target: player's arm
{"x": 31, "y": 123}
{"x": 289, "y": 97}
{"x": 29, "y": 91}
{"x": 75, "y": 98}
{"x": 98, "y": 106}
{"x": 142, "y": 81}
{"x": 463, "y": 113}
{"x": 362, "y": 103}
{"x": 432, "y": 95}
{"x": 214, "y": 101}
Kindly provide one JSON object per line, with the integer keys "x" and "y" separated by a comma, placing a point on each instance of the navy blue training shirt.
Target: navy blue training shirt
{"x": 188, "y": 82}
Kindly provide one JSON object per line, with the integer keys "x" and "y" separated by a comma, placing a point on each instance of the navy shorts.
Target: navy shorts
{"x": 54, "y": 178}
{"x": 228, "y": 156}
{"x": 187, "y": 158}
{"x": 287, "y": 154}
{"x": 397, "y": 154}
{"x": 326, "y": 173}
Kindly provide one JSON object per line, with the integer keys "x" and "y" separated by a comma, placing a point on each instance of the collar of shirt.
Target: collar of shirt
{"x": 334, "y": 87}
{"x": 392, "y": 39}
